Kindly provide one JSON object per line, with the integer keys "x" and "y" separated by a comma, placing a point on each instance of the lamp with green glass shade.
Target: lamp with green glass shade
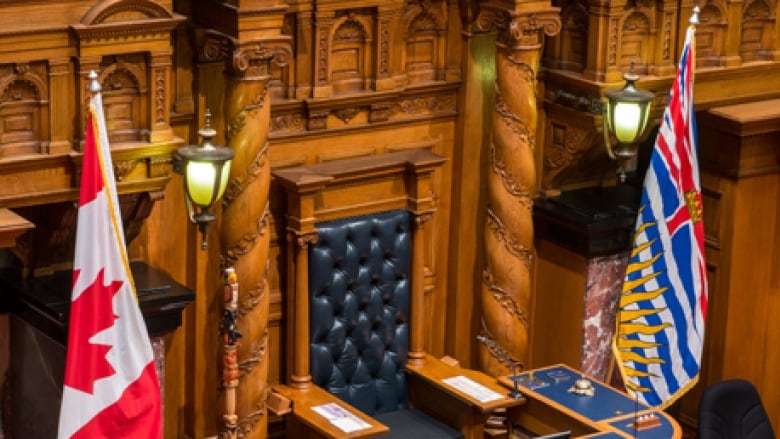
{"x": 205, "y": 169}
{"x": 625, "y": 118}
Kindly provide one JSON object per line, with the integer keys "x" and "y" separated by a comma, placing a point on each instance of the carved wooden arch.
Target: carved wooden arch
{"x": 356, "y": 80}
{"x": 632, "y": 41}
{"x": 425, "y": 30}
{"x": 39, "y": 85}
{"x": 574, "y": 30}
{"x": 711, "y": 34}
{"x": 346, "y": 188}
{"x": 141, "y": 104}
{"x": 757, "y": 42}
{"x": 37, "y": 102}
{"x": 416, "y": 11}
{"x": 103, "y": 11}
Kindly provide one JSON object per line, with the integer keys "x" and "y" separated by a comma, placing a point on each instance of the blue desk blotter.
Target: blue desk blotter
{"x": 606, "y": 403}
{"x": 554, "y": 383}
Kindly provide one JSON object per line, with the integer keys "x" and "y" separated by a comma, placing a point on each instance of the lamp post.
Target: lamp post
{"x": 205, "y": 169}
{"x": 625, "y": 119}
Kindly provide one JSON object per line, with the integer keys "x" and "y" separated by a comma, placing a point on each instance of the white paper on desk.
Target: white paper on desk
{"x": 340, "y": 417}
{"x": 472, "y": 388}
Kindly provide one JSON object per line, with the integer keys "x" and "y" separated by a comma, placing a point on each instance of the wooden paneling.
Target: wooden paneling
{"x": 368, "y": 78}
{"x": 558, "y": 309}
{"x": 740, "y": 161}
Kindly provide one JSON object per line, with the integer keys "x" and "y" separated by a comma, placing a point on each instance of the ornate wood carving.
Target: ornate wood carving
{"x": 429, "y": 103}
{"x": 140, "y": 35}
{"x": 24, "y": 109}
{"x": 42, "y": 103}
{"x": 245, "y": 235}
{"x": 511, "y": 181}
{"x": 758, "y": 31}
{"x": 711, "y": 34}
{"x": 326, "y": 191}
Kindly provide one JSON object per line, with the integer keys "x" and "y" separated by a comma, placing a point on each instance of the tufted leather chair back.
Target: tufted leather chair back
{"x": 359, "y": 292}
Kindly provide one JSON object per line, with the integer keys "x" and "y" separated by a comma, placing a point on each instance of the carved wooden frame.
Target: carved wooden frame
{"x": 345, "y": 188}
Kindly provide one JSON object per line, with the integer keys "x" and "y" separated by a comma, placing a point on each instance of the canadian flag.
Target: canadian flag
{"x": 111, "y": 388}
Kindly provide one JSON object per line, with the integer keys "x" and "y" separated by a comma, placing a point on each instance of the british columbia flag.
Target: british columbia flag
{"x": 660, "y": 322}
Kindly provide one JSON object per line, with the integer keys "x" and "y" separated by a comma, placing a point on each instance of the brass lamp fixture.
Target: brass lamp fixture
{"x": 625, "y": 119}
{"x": 205, "y": 169}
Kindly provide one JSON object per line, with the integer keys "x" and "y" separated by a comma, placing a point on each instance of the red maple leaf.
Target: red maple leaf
{"x": 91, "y": 313}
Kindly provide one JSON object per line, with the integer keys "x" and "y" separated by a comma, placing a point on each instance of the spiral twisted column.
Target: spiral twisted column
{"x": 245, "y": 233}
{"x": 511, "y": 178}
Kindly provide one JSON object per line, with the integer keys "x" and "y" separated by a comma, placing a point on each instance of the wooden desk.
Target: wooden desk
{"x": 303, "y": 410}
{"x": 429, "y": 392}
{"x": 607, "y": 414}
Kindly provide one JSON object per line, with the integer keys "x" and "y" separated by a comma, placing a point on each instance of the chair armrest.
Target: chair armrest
{"x": 305, "y": 400}
{"x": 434, "y": 372}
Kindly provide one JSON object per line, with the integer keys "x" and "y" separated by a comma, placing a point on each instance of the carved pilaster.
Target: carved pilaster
{"x": 389, "y": 47}
{"x": 61, "y": 130}
{"x": 506, "y": 292}
{"x": 322, "y": 29}
{"x": 161, "y": 62}
{"x": 603, "y": 24}
{"x": 304, "y": 65}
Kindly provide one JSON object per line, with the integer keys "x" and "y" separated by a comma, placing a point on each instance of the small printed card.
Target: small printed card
{"x": 530, "y": 381}
{"x": 472, "y": 388}
{"x": 340, "y": 417}
{"x": 558, "y": 376}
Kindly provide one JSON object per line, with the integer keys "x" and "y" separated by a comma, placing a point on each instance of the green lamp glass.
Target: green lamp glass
{"x": 625, "y": 119}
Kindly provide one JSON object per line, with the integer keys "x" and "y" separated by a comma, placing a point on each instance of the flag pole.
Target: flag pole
{"x": 692, "y": 23}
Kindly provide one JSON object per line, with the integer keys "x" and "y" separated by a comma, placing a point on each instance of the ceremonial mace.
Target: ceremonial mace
{"x": 230, "y": 334}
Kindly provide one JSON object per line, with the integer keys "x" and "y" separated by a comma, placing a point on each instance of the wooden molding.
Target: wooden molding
{"x": 11, "y": 226}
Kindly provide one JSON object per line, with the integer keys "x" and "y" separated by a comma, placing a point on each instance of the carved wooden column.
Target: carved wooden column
{"x": 506, "y": 289}
{"x": 298, "y": 248}
{"x": 602, "y": 60}
{"x": 245, "y": 234}
{"x": 417, "y": 309}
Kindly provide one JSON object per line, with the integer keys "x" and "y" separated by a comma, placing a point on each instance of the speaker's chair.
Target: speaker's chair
{"x": 356, "y": 305}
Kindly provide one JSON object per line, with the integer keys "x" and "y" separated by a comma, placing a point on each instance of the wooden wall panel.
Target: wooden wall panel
{"x": 558, "y": 308}
{"x": 740, "y": 163}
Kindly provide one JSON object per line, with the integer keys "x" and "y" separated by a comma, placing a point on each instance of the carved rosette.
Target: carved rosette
{"x": 506, "y": 288}
{"x": 245, "y": 234}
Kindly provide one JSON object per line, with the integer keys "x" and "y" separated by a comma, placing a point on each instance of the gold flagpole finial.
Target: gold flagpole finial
{"x": 694, "y": 20}
{"x": 94, "y": 85}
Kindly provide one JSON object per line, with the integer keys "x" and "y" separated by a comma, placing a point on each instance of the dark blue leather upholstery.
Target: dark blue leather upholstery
{"x": 359, "y": 305}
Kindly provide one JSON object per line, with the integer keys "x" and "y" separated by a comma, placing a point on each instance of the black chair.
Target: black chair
{"x": 732, "y": 409}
